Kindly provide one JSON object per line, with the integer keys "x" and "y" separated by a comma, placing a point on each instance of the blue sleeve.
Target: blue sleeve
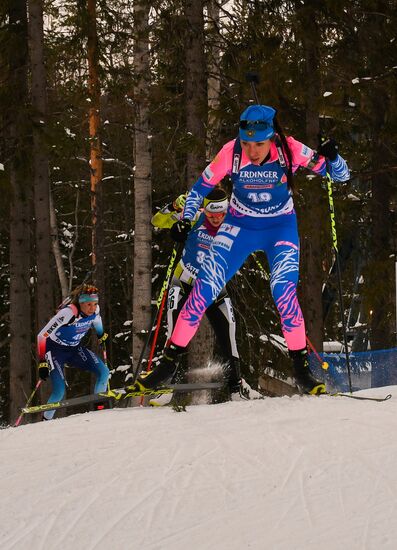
{"x": 338, "y": 169}
{"x": 195, "y": 197}
{"x": 98, "y": 325}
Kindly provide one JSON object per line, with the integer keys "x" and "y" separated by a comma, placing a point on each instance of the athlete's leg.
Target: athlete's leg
{"x": 283, "y": 256}
{"x": 229, "y": 249}
{"x": 222, "y": 319}
{"x": 57, "y": 377}
{"x": 177, "y": 297}
{"x": 226, "y": 255}
{"x": 86, "y": 360}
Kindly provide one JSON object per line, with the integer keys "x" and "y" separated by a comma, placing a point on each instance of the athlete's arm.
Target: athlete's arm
{"x": 215, "y": 171}
{"x": 62, "y": 317}
{"x": 98, "y": 324}
{"x": 305, "y": 156}
{"x": 165, "y": 218}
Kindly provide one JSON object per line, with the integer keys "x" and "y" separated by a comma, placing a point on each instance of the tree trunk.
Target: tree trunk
{"x": 63, "y": 280}
{"x": 380, "y": 289}
{"x": 96, "y": 164}
{"x": 20, "y": 214}
{"x": 44, "y": 288}
{"x": 142, "y": 272}
{"x": 201, "y": 347}
{"x": 311, "y": 257}
{"x": 214, "y": 78}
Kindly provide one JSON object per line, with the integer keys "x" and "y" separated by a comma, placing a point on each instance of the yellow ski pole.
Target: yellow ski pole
{"x": 28, "y": 402}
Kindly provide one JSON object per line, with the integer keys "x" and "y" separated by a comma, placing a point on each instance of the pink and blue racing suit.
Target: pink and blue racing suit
{"x": 261, "y": 216}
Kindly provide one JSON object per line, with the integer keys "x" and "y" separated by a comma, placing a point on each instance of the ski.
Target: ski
{"x": 170, "y": 388}
{"x": 361, "y": 397}
{"x": 119, "y": 394}
{"x": 348, "y": 395}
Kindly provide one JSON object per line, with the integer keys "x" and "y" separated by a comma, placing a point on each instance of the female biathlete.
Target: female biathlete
{"x": 261, "y": 216}
{"x": 58, "y": 344}
{"x": 220, "y": 313}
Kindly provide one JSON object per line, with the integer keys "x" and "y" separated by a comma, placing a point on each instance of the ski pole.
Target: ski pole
{"x": 324, "y": 364}
{"x": 153, "y": 347}
{"x": 260, "y": 265}
{"x": 330, "y": 182}
{"x": 158, "y": 324}
{"x": 28, "y": 402}
{"x": 163, "y": 291}
{"x": 253, "y": 79}
{"x": 105, "y": 359}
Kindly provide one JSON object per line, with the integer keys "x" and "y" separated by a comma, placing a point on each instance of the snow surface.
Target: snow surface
{"x": 296, "y": 473}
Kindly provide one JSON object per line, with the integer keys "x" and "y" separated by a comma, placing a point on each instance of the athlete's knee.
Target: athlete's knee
{"x": 285, "y": 268}
{"x": 102, "y": 377}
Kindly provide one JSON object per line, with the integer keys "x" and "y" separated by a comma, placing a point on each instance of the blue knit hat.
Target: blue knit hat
{"x": 256, "y": 123}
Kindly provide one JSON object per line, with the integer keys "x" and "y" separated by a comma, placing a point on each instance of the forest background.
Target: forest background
{"x": 110, "y": 109}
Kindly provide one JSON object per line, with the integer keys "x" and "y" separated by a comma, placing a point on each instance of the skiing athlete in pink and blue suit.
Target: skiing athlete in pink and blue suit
{"x": 261, "y": 216}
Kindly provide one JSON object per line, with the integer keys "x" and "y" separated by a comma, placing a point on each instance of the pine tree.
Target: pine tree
{"x": 142, "y": 281}
{"x": 20, "y": 174}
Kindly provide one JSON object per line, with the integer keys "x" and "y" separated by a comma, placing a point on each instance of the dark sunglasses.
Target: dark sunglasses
{"x": 255, "y": 125}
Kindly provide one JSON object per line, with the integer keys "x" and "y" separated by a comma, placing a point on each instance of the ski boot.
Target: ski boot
{"x": 234, "y": 386}
{"x": 166, "y": 398}
{"x": 162, "y": 373}
{"x": 237, "y": 393}
{"x": 303, "y": 375}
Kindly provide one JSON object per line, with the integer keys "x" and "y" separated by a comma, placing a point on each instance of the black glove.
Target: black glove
{"x": 180, "y": 230}
{"x": 44, "y": 371}
{"x": 327, "y": 148}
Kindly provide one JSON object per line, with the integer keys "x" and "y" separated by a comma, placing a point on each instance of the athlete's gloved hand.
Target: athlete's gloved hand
{"x": 327, "y": 147}
{"x": 179, "y": 231}
{"x": 179, "y": 202}
{"x": 44, "y": 371}
{"x": 103, "y": 337}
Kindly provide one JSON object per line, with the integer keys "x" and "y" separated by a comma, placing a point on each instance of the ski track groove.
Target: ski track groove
{"x": 341, "y": 496}
{"x": 113, "y": 481}
{"x": 59, "y": 484}
{"x": 365, "y": 537}
{"x": 47, "y": 529}
{"x": 174, "y": 505}
{"x": 192, "y": 471}
{"x": 25, "y": 533}
{"x": 286, "y": 514}
{"x": 126, "y": 513}
{"x": 304, "y": 499}
{"x": 83, "y": 509}
{"x": 291, "y": 469}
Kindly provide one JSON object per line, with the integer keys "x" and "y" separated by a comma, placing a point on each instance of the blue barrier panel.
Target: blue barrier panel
{"x": 369, "y": 369}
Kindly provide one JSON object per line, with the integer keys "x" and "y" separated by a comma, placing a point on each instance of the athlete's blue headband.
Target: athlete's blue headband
{"x": 256, "y": 123}
{"x": 83, "y": 298}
